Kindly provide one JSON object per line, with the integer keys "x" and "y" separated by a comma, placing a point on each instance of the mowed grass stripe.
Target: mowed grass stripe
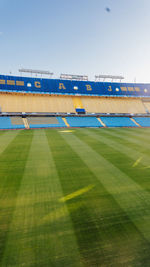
{"x": 121, "y": 145}
{"x": 138, "y": 132}
{"x": 129, "y": 163}
{"x": 129, "y": 136}
{"x": 137, "y": 135}
{"x": 5, "y": 140}
{"x": 2, "y": 132}
{"x": 102, "y": 228}
{"x": 41, "y": 232}
{"x": 69, "y": 167}
{"x": 6, "y": 137}
{"x": 131, "y": 197}
{"x": 139, "y": 144}
{"x": 12, "y": 164}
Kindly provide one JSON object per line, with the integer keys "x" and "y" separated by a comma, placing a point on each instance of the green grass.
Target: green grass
{"x": 78, "y": 198}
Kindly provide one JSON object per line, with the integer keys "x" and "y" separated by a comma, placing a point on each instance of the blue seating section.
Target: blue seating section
{"x": 83, "y": 122}
{"x": 118, "y": 122}
{"x": 60, "y": 124}
{"x": 5, "y": 123}
{"x": 144, "y": 122}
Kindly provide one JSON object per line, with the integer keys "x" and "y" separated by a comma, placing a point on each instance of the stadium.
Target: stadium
{"x": 74, "y": 133}
{"x": 74, "y": 172}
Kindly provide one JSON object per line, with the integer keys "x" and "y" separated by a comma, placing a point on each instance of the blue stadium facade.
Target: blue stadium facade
{"x": 68, "y": 87}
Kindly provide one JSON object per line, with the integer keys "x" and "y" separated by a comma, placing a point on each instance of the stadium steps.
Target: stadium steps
{"x": 26, "y": 124}
{"x": 135, "y": 122}
{"x": 77, "y": 103}
{"x": 101, "y": 122}
{"x": 65, "y": 121}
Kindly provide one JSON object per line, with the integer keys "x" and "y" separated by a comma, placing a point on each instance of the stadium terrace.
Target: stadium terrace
{"x": 27, "y": 102}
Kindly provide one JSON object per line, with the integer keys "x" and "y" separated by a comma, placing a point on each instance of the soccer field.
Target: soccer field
{"x": 75, "y": 198}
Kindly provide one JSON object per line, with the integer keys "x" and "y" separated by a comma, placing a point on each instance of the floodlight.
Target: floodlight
{"x": 36, "y": 71}
{"x": 74, "y": 77}
{"x": 113, "y": 77}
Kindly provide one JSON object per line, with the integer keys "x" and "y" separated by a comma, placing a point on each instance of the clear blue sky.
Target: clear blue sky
{"x": 76, "y": 37}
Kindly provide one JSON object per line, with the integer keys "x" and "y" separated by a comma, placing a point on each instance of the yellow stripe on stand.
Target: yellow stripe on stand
{"x": 66, "y": 123}
{"x": 25, "y": 121}
{"x": 135, "y": 122}
{"x": 77, "y": 102}
{"x": 101, "y": 122}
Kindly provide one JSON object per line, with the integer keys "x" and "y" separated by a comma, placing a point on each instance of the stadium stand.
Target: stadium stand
{"x": 147, "y": 105}
{"x": 16, "y": 121}
{"x": 68, "y": 104}
{"x": 143, "y": 121}
{"x": 36, "y": 103}
{"x": 113, "y": 105}
{"x": 45, "y": 122}
{"x": 11, "y": 123}
{"x": 83, "y": 122}
{"x": 118, "y": 122}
